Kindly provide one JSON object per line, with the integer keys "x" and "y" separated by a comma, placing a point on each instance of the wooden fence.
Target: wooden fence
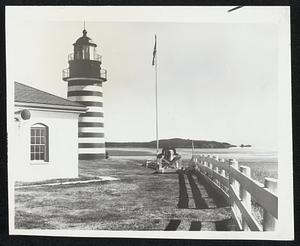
{"x": 234, "y": 182}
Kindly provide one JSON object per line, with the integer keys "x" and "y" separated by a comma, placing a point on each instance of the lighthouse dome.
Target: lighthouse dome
{"x": 84, "y": 40}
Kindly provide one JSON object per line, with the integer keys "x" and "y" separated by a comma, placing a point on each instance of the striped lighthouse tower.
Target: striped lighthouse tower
{"x": 85, "y": 78}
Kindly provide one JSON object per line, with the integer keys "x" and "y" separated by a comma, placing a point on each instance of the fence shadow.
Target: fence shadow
{"x": 195, "y": 226}
{"x": 225, "y": 225}
{"x": 183, "y": 195}
{"x": 211, "y": 192}
{"x": 199, "y": 201}
{"x": 173, "y": 225}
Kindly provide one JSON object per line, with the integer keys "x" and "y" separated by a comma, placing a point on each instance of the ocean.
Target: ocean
{"x": 262, "y": 161}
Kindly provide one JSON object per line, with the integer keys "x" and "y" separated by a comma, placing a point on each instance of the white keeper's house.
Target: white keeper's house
{"x": 45, "y": 136}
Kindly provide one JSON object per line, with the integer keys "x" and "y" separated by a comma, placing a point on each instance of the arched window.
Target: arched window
{"x": 39, "y": 143}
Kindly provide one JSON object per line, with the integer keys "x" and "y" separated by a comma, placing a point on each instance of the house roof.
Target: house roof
{"x": 28, "y": 94}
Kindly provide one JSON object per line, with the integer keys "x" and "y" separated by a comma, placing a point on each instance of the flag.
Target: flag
{"x": 154, "y": 53}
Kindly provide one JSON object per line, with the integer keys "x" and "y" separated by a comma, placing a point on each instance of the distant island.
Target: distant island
{"x": 245, "y": 145}
{"x": 176, "y": 142}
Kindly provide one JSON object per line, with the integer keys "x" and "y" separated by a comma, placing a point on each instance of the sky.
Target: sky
{"x": 216, "y": 80}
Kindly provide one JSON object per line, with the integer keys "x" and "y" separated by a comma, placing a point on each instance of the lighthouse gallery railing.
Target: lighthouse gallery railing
{"x": 94, "y": 57}
{"x": 102, "y": 74}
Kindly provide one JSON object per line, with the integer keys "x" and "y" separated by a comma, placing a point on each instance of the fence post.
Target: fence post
{"x": 269, "y": 222}
{"x": 223, "y": 172}
{"x": 236, "y": 188}
{"x": 245, "y": 195}
{"x": 194, "y": 158}
{"x": 211, "y": 175}
{"x": 216, "y": 179}
{"x": 224, "y": 175}
{"x": 234, "y": 183}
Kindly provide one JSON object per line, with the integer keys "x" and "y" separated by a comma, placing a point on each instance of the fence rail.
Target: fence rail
{"x": 236, "y": 184}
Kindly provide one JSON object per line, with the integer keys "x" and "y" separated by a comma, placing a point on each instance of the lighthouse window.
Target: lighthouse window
{"x": 92, "y": 53}
{"x": 77, "y": 55}
{"x": 39, "y": 143}
{"x": 85, "y": 52}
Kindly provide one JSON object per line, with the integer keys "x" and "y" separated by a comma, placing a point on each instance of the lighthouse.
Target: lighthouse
{"x": 85, "y": 78}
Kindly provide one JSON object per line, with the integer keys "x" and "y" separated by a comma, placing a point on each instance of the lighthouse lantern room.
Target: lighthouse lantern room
{"x": 85, "y": 77}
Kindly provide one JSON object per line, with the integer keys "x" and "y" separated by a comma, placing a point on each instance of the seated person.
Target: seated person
{"x": 169, "y": 156}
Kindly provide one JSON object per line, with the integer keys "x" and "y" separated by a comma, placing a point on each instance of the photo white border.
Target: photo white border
{"x": 276, "y": 15}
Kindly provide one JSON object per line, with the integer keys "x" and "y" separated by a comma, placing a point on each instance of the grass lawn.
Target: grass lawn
{"x": 140, "y": 200}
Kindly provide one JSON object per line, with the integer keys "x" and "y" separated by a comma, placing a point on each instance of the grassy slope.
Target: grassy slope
{"x": 92, "y": 206}
{"x": 139, "y": 201}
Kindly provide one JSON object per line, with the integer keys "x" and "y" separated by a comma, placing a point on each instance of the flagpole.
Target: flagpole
{"x": 156, "y": 101}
